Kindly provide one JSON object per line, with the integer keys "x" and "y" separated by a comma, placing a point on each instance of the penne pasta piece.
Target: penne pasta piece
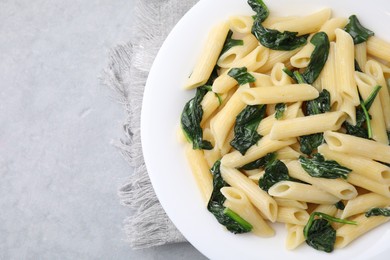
{"x": 348, "y": 108}
{"x": 379, "y": 48}
{"x": 306, "y": 24}
{"x": 302, "y": 58}
{"x": 262, "y": 80}
{"x": 331, "y": 25}
{"x": 224, "y": 120}
{"x": 294, "y": 236}
{"x": 266, "y": 124}
{"x": 358, "y": 146}
{"x": 290, "y": 203}
{"x": 369, "y": 184}
{"x": 361, "y": 55}
{"x": 280, "y": 94}
{"x": 210, "y": 104}
{"x": 209, "y": 56}
{"x": 278, "y": 77}
{"x": 214, "y": 154}
{"x": 348, "y": 233}
{"x": 254, "y": 60}
{"x": 302, "y": 192}
{"x": 345, "y": 66}
{"x": 363, "y": 203}
{"x": 360, "y": 165}
{"x": 328, "y": 80}
{"x": 374, "y": 69}
{"x": 307, "y": 125}
{"x": 337, "y": 187}
{"x": 264, "y": 146}
{"x": 329, "y": 209}
{"x": 241, "y": 24}
{"x": 237, "y": 201}
{"x": 276, "y": 19}
{"x": 366, "y": 85}
{"x": 274, "y": 57}
{"x": 231, "y": 57}
{"x": 259, "y": 198}
{"x": 292, "y": 215}
{"x": 287, "y": 153}
{"x": 200, "y": 171}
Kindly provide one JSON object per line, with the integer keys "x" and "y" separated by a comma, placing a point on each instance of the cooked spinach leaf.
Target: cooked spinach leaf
{"x": 276, "y": 40}
{"x": 320, "y": 168}
{"x": 261, "y": 162}
{"x": 191, "y": 118}
{"x": 319, "y": 233}
{"x": 259, "y": 8}
{"x": 279, "y": 110}
{"x": 245, "y": 128}
{"x": 368, "y": 102}
{"x": 378, "y": 212}
{"x": 241, "y": 75}
{"x": 357, "y": 31}
{"x": 245, "y": 225}
{"x": 318, "y": 57}
{"x": 215, "y": 204}
{"x": 320, "y": 105}
{"x": 270, "y": 38}
{"x": 229, "y": 42}
{"x": 290, "y": 74}
{"x": 275, "y": 172}
{"x": 310, "y": 143}
{"x": 340, "y": 205}
{"x": 363, "y": 119}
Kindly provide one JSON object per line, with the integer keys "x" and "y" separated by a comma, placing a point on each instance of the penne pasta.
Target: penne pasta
{"x": 259, "y": 198}
{"x": 237, "y": 201}
{"x": 302, "y": 192}
{"x": 358, "y": 146}
{"x": 337, "y": 187}
{"x": 306, "y": 125}
{"x": 273, "y": 95}
{"x": 209, "y": 56}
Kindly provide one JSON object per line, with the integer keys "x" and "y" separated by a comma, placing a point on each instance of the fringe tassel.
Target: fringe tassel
{"x": 126, "y": 75}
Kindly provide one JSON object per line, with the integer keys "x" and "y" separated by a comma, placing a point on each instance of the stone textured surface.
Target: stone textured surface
{"x": 59, "y": 174}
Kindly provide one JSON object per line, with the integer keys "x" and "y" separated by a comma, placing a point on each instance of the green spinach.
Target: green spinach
{"x": 318, "y": 57}
{"x": 261, "y": 162}
{"x": 358, "y": 33}
{"x": 276, "y": 40}
{"x": 231, "y": 221}
{"x": 241, "y": 75}
{"x": 191, "y": 118}
{"x": 340, "y": 205}
{"x": 378, "y": 212}
{"x": 275, "y": 172}
{"x": 363, "y": 119}
{"x": 319, "y": 233}
{"x": 270, "y": 38}
{"x": 320, "y": 168}
{"x": 245, "y": 128}
{"x": 320, "y": 105}
{"x": 259, "y": 8}
{"x": 279, "y": 110}
{"x": 229, "y": 42}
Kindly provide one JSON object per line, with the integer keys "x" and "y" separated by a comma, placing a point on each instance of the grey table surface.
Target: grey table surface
{"x": 59, "y": 174}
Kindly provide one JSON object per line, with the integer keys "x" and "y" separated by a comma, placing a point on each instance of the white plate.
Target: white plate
{"x": 163, "y": 102}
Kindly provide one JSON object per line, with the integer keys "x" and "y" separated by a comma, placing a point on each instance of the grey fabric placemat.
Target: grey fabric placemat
{"x": 126, "y": 74}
